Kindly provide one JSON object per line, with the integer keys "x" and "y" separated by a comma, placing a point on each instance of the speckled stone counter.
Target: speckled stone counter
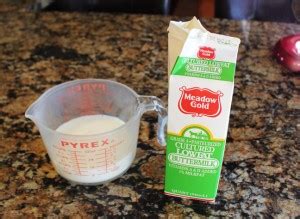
{"x": 260, "y": 175}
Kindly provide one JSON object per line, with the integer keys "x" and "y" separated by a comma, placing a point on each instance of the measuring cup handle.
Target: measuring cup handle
{"x": 152, "y": 103}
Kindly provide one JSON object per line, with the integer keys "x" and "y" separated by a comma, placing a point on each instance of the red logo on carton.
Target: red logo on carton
{"x": 200, "y": 102}
{"x": 206, "y": 53}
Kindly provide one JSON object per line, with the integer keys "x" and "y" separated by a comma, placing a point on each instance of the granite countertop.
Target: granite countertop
{"x": 260, "y": 175}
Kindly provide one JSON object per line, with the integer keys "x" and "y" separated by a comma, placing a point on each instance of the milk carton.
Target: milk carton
{"x": 200, "y": 94}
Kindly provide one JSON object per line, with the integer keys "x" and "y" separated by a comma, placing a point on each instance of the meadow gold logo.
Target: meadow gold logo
{"x": 200, "y": 102}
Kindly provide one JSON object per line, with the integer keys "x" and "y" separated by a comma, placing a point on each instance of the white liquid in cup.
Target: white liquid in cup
{"x": 94, "y": 160}
{"x": 90, "y": 125}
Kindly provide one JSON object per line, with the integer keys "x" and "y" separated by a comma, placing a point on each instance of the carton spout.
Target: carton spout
{"x": 178, "y": 32}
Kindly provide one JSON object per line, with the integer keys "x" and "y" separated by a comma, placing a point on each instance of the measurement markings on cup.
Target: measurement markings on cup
{"x": 86, "y": 158}
{"x": 77, "y": 162}
{"x": 70, "y": 161}
{"x": 104, "y": 159}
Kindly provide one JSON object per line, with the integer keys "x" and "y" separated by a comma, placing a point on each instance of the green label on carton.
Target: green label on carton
{"x": 194, "y": 162}
{"x": 204, "y": 68}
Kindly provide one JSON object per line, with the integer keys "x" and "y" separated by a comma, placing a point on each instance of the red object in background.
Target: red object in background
{"x": 287, "y": 52}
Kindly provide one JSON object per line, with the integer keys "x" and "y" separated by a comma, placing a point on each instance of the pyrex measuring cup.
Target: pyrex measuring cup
{"x": 98, "y": 158}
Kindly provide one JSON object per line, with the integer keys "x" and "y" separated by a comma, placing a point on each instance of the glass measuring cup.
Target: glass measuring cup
{"x": 93, "y": 159}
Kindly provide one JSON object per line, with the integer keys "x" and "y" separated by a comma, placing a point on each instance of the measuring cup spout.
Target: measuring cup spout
{"x": 34, "y": 113}
{"x": 30, "y": 113}
{"x": 152, "y": 103}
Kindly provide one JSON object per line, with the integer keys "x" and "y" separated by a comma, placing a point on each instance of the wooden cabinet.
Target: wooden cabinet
{"x": 199, "y": 8}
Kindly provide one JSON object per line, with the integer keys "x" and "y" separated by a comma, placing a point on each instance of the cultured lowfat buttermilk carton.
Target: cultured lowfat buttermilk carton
{"x": 200, "y": 94}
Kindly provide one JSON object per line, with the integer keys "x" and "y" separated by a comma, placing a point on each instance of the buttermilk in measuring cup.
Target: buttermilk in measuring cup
{"x": 91, "y": 125}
